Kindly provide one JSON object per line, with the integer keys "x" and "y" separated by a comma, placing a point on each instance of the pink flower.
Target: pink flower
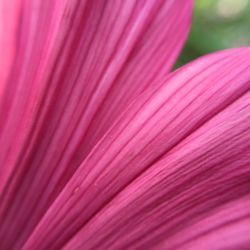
{"x": 103, "y": 148}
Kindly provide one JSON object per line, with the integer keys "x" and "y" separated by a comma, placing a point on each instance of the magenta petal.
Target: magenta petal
{"x": 186, "y": 200}
{"x": 178, "y": 132}
{"x": 9, "y": 10}
{"x": 78, "y": 64}
{"x": 227, "y": 227}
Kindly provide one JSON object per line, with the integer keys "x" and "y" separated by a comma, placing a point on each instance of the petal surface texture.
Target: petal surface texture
{"x": 77, "y": 65}
{"x": 173, "y": 172}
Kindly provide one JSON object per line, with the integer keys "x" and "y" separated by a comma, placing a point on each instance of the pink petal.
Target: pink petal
{"x": 8, "y": 26}
{"x": 78, "y": 65}
{"x": 182, "y": 197}
{"x": 227, "y": 227}
{"x": 193, "y": 102}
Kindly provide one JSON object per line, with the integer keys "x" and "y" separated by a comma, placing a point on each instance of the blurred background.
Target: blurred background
{"x": 217, "y": 24}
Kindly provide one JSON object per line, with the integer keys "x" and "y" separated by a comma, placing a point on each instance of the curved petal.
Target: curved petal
{"x": 227, "y": 227}
{"x": 152, "y": 127}
{"x": 191, "y": 199}
{"x": 79, "y": 63}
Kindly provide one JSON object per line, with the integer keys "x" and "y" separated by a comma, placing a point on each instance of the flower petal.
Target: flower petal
{"x": 90, "y": 61}
{"x": 8, "y": 26}
{"x": 153, "y": 126}
{"x": 188, "y": 199}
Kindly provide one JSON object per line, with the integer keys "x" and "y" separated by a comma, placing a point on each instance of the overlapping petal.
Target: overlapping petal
{"x": 163, "y": 164}
{"x": 191, "y": 199}
{"x": 78, "y": 64}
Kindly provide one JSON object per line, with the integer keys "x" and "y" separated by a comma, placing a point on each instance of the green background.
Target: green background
{"x": 216, "y": 25}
